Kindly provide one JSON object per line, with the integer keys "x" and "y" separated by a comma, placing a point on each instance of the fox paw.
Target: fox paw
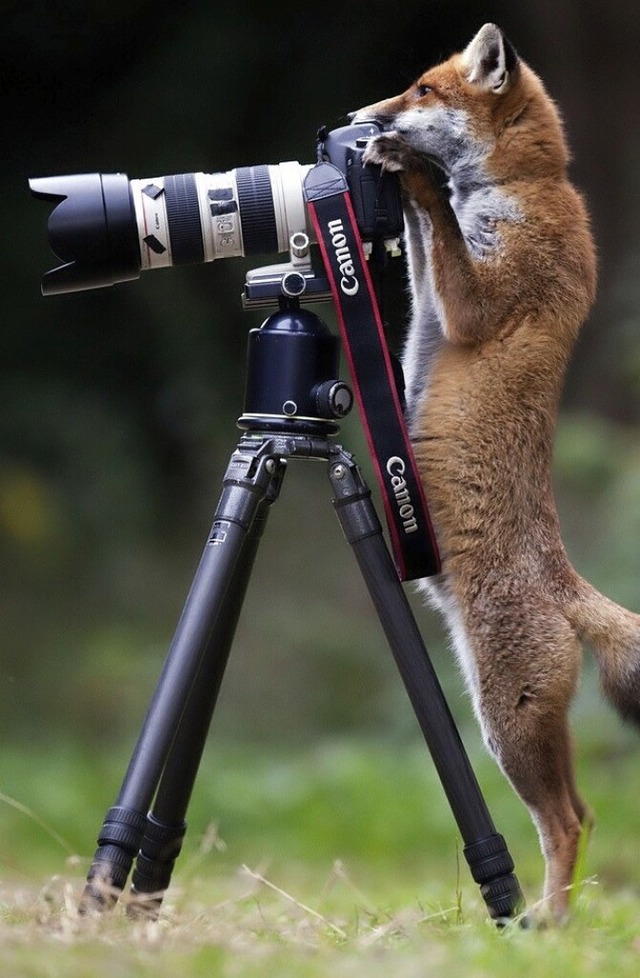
{"x": 390, "y": 151}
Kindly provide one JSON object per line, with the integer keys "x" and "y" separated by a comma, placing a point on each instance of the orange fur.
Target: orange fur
{"x": 503, "y": 273}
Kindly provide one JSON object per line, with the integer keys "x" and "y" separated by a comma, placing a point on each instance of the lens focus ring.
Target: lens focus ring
{"x": 183, "y": 215}
{"x": 257, "y": 214}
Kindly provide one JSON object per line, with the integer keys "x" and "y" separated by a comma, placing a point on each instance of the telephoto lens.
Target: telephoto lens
{"x": 107, "y": 228}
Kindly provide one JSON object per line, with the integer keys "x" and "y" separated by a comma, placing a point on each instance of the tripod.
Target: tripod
{"x": 292, "y": 404}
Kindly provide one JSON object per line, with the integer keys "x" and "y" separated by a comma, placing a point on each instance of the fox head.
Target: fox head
{"x": 481, "y": 111}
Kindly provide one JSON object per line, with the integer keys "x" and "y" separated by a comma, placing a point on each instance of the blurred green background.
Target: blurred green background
{"x": 118, "y": 408}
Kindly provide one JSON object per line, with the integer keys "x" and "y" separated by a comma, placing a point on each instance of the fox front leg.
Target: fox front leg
{"x": 421, "y": 179}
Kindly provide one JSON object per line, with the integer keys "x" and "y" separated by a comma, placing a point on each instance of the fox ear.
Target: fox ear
{"x": 490, "y": 59}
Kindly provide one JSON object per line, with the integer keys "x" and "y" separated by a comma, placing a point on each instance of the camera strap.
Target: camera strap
{"x": 412, "y": 537}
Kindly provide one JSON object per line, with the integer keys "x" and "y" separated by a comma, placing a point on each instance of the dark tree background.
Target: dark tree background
{"x": 117, "y": 408}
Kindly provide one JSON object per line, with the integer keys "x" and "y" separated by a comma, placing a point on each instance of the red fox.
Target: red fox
{"x": 502, "y": 272}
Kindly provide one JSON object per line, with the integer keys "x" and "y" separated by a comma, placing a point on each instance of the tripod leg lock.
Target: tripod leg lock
{"x": 492, "y": 868}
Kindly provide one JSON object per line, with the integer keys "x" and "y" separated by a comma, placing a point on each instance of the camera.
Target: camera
{"x": 106, "y": 228}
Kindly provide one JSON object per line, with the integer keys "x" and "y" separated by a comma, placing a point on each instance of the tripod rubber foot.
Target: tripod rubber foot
{"x": 118, "y": 843}
{"x": 492, "y": 868}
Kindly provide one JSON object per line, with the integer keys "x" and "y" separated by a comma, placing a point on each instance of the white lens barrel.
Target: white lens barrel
{"x": 204, "y": 216}
{"x": 150, "y": 204}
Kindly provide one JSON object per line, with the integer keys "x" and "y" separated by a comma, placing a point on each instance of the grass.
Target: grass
{"x": 335, "y": 859}
{"x": 243, "y": 924}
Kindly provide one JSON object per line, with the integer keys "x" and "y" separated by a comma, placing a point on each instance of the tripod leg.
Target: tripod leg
{"x": 214, "y": 599}
{"x": 166, "y": 825}
{"x": 486, "y": 852}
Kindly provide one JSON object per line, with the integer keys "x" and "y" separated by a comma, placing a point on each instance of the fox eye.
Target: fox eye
{"x": 422, "y": 90}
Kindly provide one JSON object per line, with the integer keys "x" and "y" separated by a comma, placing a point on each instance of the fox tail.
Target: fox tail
{"x": 613, "y": 634}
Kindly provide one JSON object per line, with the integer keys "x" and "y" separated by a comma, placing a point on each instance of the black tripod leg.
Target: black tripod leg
{"x": 485, "y": 850}
{"x": 215, "y": 592}
{"x": 166, "y": 825}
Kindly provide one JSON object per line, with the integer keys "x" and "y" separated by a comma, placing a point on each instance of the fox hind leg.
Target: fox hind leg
{"x": 557, "y": 811}
{"x": 523, "y": 710}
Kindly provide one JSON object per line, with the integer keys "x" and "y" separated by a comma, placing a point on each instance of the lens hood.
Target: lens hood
{"x": 92, "y": 229}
